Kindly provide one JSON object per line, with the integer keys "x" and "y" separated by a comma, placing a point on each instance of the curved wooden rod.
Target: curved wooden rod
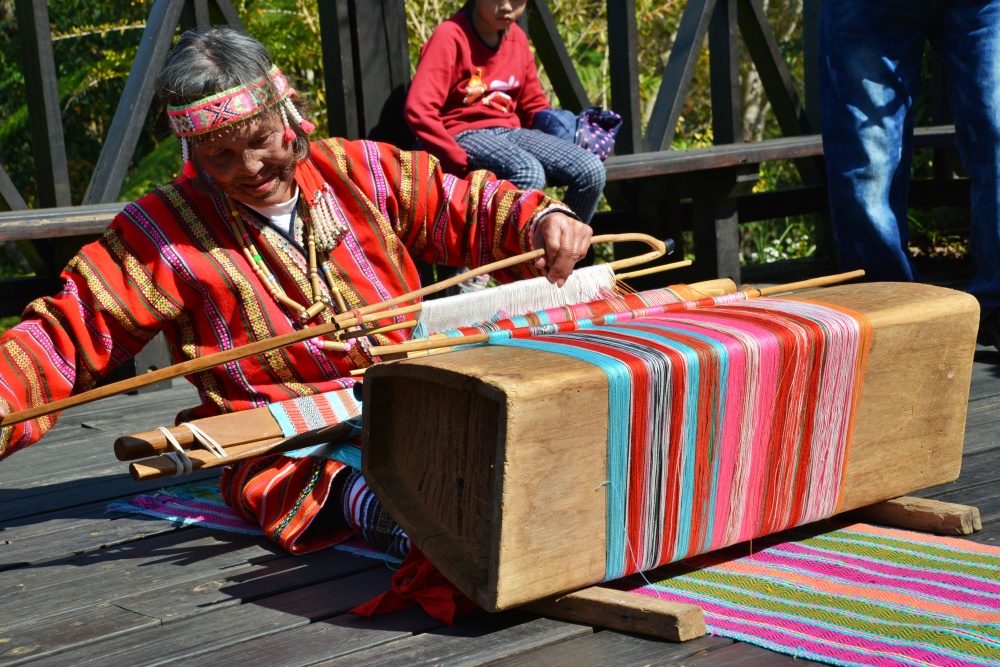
{"x": 659, "y": 248}
{"x": 261, "y": 346}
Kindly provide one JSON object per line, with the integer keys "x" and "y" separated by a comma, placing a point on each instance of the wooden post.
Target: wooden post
{"x": 677, "y": 75}
{"x": 623, "y": 54}
{"x": 44, "y": 112}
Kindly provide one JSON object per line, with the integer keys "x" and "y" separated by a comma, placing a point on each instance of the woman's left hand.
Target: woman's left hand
{"x": 566, "y": 241}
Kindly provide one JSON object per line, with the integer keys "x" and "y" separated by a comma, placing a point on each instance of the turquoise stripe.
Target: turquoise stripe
{"x": 280, "y": 416}
{"x": 719, "y": 398}
{"x": 619, "y": 400}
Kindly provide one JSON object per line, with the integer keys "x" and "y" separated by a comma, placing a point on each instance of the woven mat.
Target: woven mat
{"x": 201, "y": 504}
{"x": 856, "y": 595}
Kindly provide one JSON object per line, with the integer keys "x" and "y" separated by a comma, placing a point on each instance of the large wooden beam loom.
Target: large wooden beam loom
{"x": 492, "y": 459}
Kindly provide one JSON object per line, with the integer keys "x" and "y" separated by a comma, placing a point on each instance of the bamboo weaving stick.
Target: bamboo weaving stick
{"x": 346, "y": 320}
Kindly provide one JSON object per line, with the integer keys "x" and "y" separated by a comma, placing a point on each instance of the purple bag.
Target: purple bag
{"x": 596, "y": 128}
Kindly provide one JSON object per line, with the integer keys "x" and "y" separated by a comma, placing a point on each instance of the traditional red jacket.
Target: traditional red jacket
{"x": 170, "y": 263}
{"x": 462, "y": 84}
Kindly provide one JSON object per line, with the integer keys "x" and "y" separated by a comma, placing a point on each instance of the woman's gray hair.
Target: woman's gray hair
{"x": 206, "y": 62}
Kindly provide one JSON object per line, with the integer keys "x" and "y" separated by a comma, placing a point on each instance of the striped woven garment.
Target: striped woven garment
{"x": 725, "y": 423}
{"x": 858, "y": 595}
{"x": 331, "y": 478}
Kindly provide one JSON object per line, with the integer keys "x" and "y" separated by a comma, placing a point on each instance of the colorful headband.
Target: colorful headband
{"x": 236, "y": 104}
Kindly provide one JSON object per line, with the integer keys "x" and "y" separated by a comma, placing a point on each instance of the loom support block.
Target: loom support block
{"x": 923, "y": 514}
{"x": 625, "y": 611}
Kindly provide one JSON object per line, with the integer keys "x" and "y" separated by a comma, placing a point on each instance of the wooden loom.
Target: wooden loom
{"x": 460, "y": 449}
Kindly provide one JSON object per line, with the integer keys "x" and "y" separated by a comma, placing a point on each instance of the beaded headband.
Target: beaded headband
{"x": 230, "y": 106}
{"x": 233, "y": 106}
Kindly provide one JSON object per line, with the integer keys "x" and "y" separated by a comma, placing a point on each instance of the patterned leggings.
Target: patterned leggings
{"x": 529, "y": 159}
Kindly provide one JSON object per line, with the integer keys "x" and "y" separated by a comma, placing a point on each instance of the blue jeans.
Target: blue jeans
{"x": 870, "y": 57}
{"x": 529, "y": 159}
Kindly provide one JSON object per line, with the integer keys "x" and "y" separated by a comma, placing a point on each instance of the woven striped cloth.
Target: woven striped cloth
{"x": 858, "y": 595}
{"x": 200, "y": 504}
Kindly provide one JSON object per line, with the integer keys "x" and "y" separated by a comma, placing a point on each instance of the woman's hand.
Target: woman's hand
{"x": 566, "y": 241}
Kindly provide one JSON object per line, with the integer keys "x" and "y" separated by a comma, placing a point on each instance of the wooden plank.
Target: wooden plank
{"x": 664, "y": 162}
{"x": 221, "y": 628}
{"x": 201, "y": 18}
{"x": 677, "y": 75}
{"x": 229, "y": 14}
{"x": 614, "y": 648}
{"x": 922, "y": 514}
{"x": 309, "y": 644}
{"x": 338, "y": 69}
{"x": 57, "y": 633}
{"x": 715, "y": 219}
{"x": 552, "y": 53}
{"x": 623, "y": 66}
{"x": 810, "y": 58}
{"x": 71, "y": 542}
{"x": 724, "y": 74}
{"x": 44, "y": 111}
{"x": 10, "y": 197}
{"x": 985, "y": 498}
{"x": 479, "y": 640}
{"x": 79, "y": 582}
{"x": 249, "y": 582}
{"x": 130, "y": 116}
{"x": 740, "y": 654}
{"x": 57, "y": 222}
{"x": 625, "y": 611}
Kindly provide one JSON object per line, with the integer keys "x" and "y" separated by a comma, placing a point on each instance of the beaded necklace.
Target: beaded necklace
{"x": 319, "y": 301}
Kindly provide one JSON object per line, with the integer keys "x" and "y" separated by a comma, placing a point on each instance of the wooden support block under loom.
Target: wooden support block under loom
{"x": 625, "y": 611}
{"x": 924, "y": 514}
{"x": 493, "y": 459}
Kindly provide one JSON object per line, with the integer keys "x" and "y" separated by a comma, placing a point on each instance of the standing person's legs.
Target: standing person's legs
{"x": 969, "y": 40}
{"x": 566, "y": 164}
{"x": 492, "y": 149}
{"x": 870, "y": 56}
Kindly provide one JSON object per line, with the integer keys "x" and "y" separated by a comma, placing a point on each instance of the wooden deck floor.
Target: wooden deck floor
{"x": 80, "y": 586}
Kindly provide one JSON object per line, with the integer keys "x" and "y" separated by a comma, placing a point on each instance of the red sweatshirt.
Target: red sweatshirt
{"x": 462, "y": 84}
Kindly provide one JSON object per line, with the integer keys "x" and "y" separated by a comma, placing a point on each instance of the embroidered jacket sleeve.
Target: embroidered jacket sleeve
{"x": 108, "y": 309}
{"x": 438, "y": 217}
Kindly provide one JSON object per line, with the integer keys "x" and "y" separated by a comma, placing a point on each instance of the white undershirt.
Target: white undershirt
{"x": 280, "y": 215}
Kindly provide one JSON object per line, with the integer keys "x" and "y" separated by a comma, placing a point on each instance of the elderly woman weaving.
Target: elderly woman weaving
{"x": 265, "y": 233}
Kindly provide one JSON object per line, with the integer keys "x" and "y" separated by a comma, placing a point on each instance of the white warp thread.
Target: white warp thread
{"x": 523, "y": 296}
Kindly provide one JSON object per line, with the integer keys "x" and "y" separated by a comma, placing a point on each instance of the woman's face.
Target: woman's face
{"x": 252, "y": 163}
{"x": 497, "y": 15}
